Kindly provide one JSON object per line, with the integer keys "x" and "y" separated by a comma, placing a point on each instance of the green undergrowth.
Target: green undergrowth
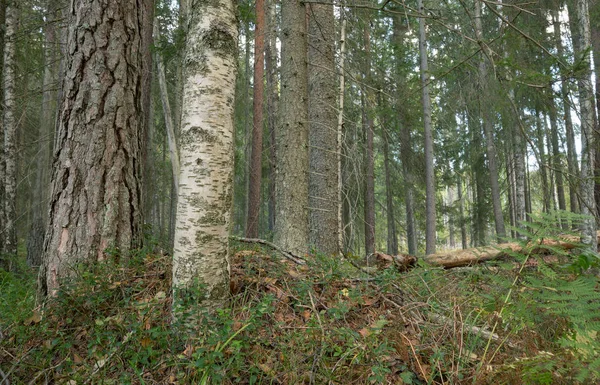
{"x": 530, "y": 319}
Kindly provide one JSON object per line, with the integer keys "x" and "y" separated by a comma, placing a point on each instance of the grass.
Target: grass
{"x": 324, "y": 323}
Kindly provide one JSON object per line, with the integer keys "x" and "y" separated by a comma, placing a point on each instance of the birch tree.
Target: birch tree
{"x": 200, "y": 256}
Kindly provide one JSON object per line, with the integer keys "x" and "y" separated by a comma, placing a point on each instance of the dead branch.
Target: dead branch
{"x": 289, "y": 255}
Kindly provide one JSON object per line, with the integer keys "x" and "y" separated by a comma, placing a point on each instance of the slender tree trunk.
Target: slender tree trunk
{"x": 96, "y": 192}
{"x": 392, "y": 239}
{"x": 340, "y": 134}
{"x": 430, "y": 236}
{"x": 272, "y": 104}
{"x": 323, "y": 137}
{"x": 291, "y": 230}
{"x": 10, "y": 133}
{"x": 588, "y": 143}
{"x": 406, "y": 154}
{"x": 572, "y": 165}
{"x": 257, "y": 123}
{"x": 488, "y": 128}
{"x": 556, "y": 156}
{"x": 3, "y": 263}
{"x": 166, "y": 106}
{"x": 461, "y": 214}
{"x": 451, "y": 219}
{"x": 595, "y": 42}
{"x": 542, "y": 162}
{"x": 369, "y": 163}
{"x": 204, "y": 205}
{"x": 35, "y": 240}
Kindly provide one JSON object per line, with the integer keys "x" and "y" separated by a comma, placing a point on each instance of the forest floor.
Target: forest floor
{"x": 517, "y": 321}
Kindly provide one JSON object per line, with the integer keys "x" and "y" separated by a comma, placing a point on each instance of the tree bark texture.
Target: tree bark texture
{"x": 392, "y": 239}
{"x": 430, "y": 233}
{"x": 488, "y": 128}
{"x": 322, "y": 117}
{"x": 257, "y": 124}
{"x": 556, "y": 154}
{"x": 10, "y": 132}
{"x": 3, "y": 262}
{"x": 291, "y": 228}
{"x": 340, "y": 134}
{"x": 95, "y": 200}
{"x": 204, "y": 206}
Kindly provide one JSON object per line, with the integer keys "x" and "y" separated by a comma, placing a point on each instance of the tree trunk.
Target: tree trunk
{"x": 392, "y": 239}
{"x": 461, "y": 214}
{"x": 369, "y": 163}
{"x": 488, "y": 128}
{"x": 291, "y": 230}
{"x": 35, "y": 240}
{"x": 542, "y": 163}
{"x": 257, "y": 123}
{"x": 322, "y": 117}
{"x": 272, "y": 104}
{"x": 430, "y": 236}
{"x": 204, "y": 204}
{"x": 588, "y": 143}
{"x": 340, "y": 134}
{"x": 556, "y": 156}
{"x": 166, "y": 106}
{"x": 10, "y": 134}
{"x": 3, "y": 263}
{"x": 572, "y": 166}
{"x": 96, "y": 193}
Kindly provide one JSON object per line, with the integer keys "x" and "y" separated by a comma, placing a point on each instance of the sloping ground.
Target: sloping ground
{"x": 322, "y": 323}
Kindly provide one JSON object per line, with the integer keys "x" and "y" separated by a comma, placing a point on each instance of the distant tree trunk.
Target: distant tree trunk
{"x": 392, "y": 239}
{"x": 96, "y": 193}
{"x": 168, "y": 117}
{"x": 204, "y": 205}
{"x": 291, "y": 230}
{"x": 322, "y": 117}
{"x": 272, "y": 104}
{"x": 10, "y": 133}
{"x": 519, "y": 168}
{"x": 451, "y": 219}
{"x": 257, "y": 123}
{"x": 572, "y": 165}
{"x": 340, "y": 134}
{"x": 461, "y": 214}
{"x": 369, "y": 163}
{"x": 430, "y": 236}
{"x": 406, "y": 154}
{"x": 488, "y": 128}
{"x": 35, "y": 240}
{"x": 510, "y": 178}
{"x": 556, "y": 155}
{"x": 588, "y": 137}
{"x": 542, "y": 163}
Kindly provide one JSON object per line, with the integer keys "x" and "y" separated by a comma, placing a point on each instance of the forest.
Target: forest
{"x": 299, "y": 192}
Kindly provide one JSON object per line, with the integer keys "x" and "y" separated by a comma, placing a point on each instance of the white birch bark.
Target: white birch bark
{"x": 200, "y": 256}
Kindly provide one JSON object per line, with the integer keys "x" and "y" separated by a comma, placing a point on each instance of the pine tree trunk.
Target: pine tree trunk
{"x": 556, "y": 156}
{"x": 588, "y": 137}
{"x": 340, "y": 135}
{"x": 272, "y": 104}
{"x": 96, "y": 193}
{"x": 430, "y": 234}
{"x": 10, "y": 133}
{"x": 461, "y": 215}
{"x": 542, "y": 164}
{"x": 291, "y": 230}
{"x": 488, "y": 128}
{"x": 257, "y": 124}
{"x": 322, "y": 117}
{"x": 204, "y": 204}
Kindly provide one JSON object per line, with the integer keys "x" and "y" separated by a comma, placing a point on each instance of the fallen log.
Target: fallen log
{"x": 467, "y": 257}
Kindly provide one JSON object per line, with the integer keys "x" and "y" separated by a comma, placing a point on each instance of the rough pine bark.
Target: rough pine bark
{"x": 392, "y": 239}
{"x": 257, "y": 124}
{"x": 204, "y": 206}
{"x": 3, "y": 263}
{"x": 322, "y": 117}
{"x": 556, "y": 154}
{"x": 291, "y": 227}
{"x": 95, "y": 201}
{"x": 10, "y": 132}
{"x": 430, "y": 216}
{"x": 588, "y": 137}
